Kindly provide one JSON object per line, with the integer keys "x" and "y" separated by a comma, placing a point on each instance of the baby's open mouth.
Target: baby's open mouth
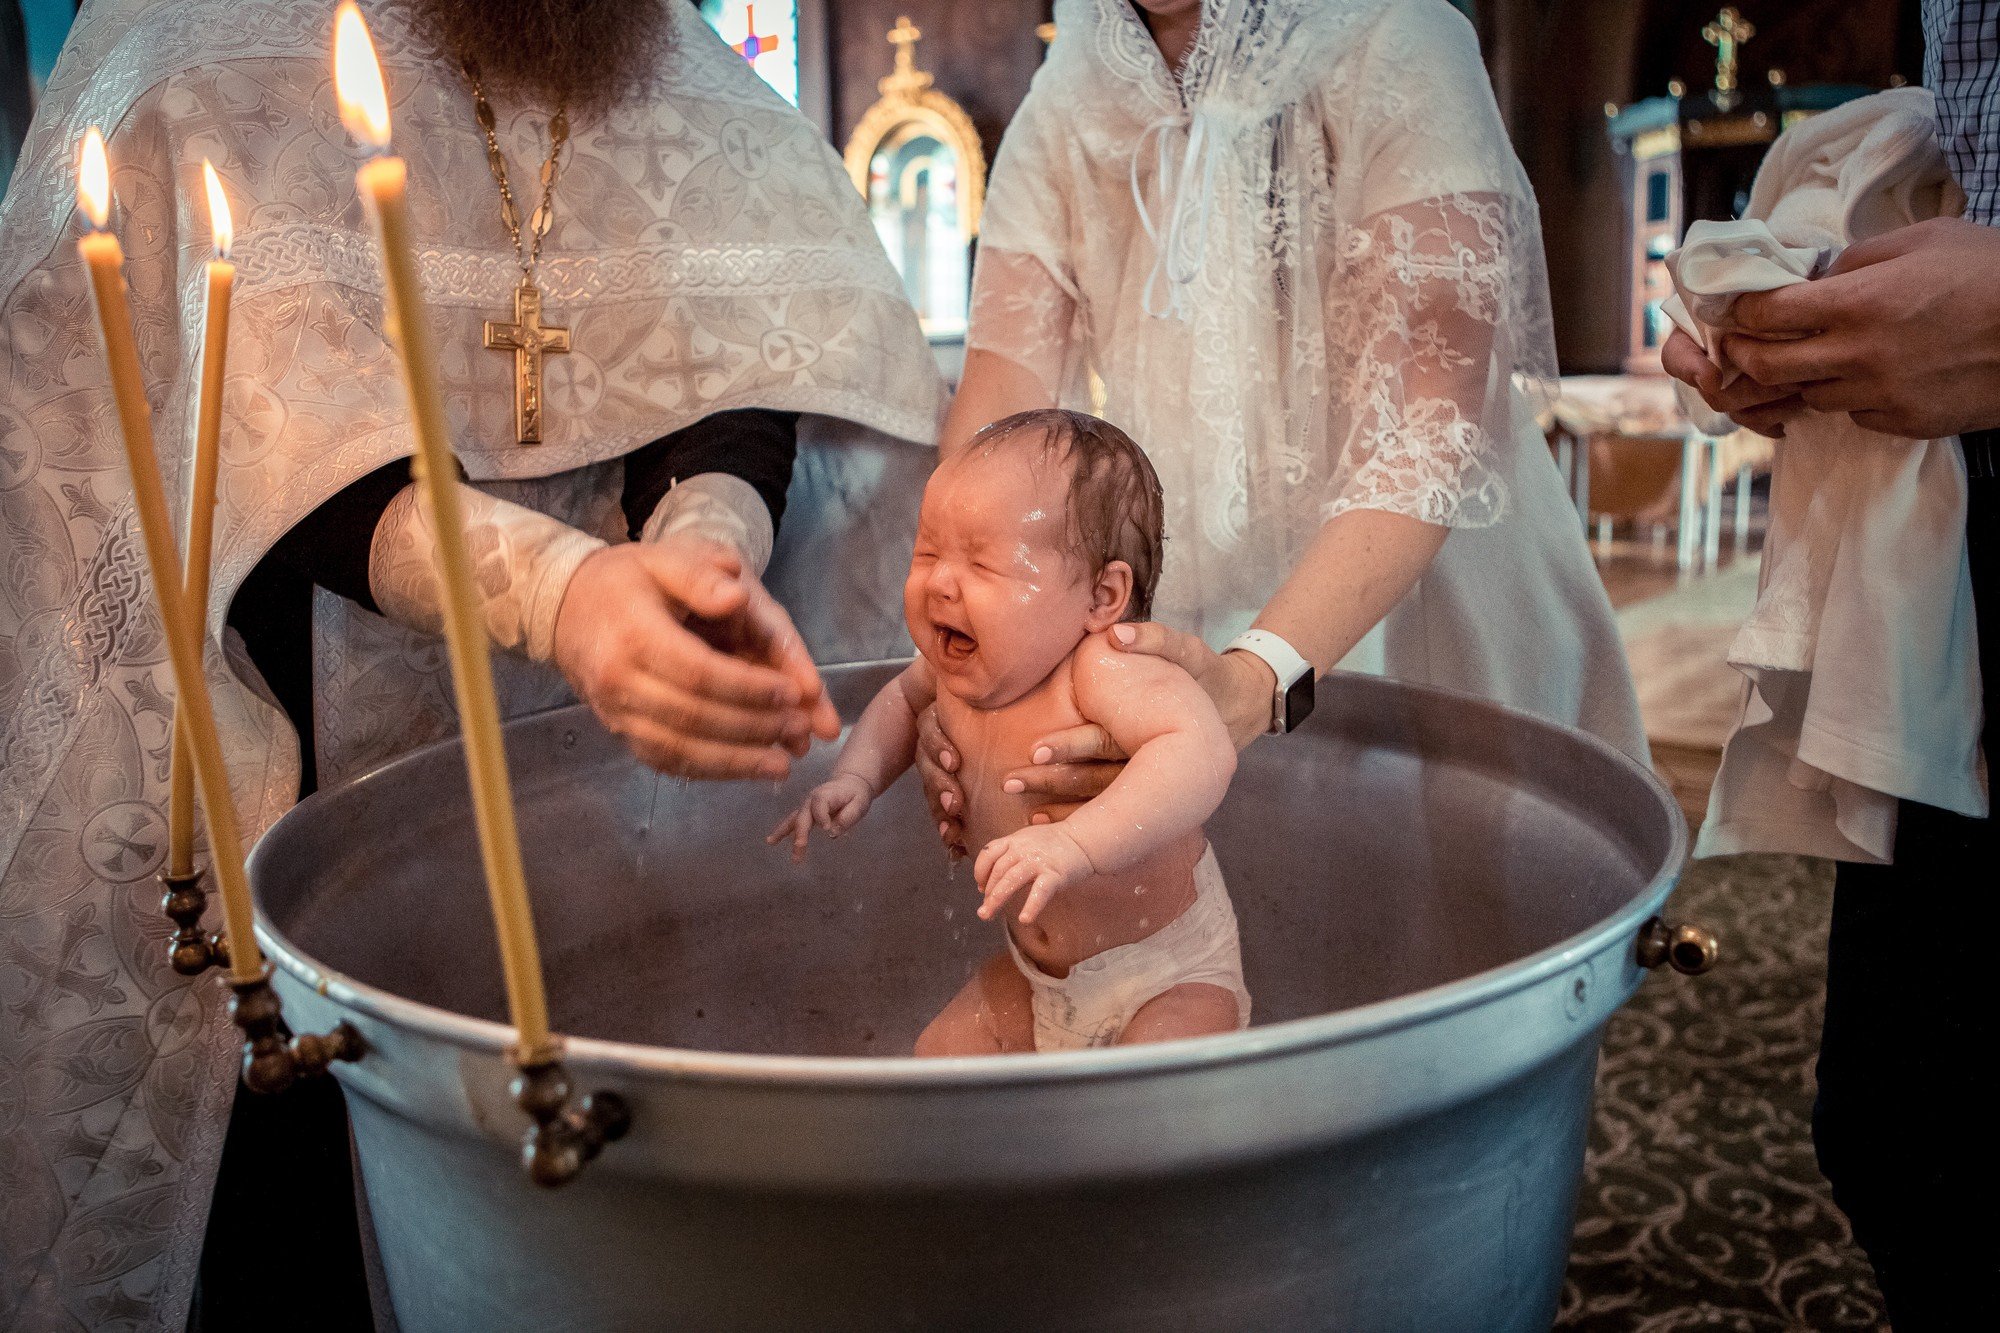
{"x": 955, "y": 645}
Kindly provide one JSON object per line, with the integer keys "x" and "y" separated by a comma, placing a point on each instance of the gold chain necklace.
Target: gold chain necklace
{"x": 527, "y": 337}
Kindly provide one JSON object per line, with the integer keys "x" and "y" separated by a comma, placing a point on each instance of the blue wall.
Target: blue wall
{"x": 48, "y": 23}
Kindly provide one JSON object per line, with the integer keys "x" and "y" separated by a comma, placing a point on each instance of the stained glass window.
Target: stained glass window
{"x": 765, "y": 33}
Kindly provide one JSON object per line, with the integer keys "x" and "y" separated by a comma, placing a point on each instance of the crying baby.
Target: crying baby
{"x": 1033, "y": 543}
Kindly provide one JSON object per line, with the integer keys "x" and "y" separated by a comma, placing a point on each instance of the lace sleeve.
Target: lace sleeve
{"x": 1437, "y": 316}
{"x": 1417, "y": 349}
{"x": 1021, "y": 310}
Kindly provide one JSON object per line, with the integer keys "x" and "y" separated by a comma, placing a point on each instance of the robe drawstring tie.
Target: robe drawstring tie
{"x": 1188, "y": 199}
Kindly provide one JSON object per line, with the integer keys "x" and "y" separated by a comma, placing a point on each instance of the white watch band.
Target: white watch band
{"x": 1284, "y": 661}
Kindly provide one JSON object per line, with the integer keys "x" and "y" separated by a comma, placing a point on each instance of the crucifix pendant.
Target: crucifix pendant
{"x": 528, "y": 339}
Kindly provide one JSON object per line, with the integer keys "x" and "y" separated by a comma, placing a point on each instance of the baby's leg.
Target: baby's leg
{"x": 1192, "y": 1009}
{"x": 993, "y": 1014}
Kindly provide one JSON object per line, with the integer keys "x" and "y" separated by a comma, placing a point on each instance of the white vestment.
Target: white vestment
{"x": 1308, "y": 277}
{"x": 708, "y": 253}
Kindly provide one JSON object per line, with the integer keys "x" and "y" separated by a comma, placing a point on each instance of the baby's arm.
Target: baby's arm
{"x": 882, "y": 744}
{"x": 1182, "y": 761}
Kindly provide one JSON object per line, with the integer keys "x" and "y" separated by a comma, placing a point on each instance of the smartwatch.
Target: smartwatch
{"x": 1292, "y": 699}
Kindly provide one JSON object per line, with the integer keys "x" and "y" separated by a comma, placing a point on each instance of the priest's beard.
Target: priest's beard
{"x": 588, "y": 55}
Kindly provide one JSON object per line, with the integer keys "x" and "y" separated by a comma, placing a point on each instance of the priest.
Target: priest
{"x": 648, "y": 277}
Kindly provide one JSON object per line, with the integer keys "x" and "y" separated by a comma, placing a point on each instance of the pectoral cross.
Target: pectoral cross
{"x": 1727, "y": 35}
{"x": 529, "y": 340}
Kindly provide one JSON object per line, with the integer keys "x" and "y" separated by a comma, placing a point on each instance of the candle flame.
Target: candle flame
{"x": 357, "y": 79}
{"x": 93, "y": 179}
{"x": 220, "y": 224}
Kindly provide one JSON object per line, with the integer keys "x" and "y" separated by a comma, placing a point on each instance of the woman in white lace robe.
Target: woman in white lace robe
{"x": 1302, "y": 266}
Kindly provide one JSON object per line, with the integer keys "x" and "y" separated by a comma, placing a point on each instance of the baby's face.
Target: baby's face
{"x": 994, "y": 601}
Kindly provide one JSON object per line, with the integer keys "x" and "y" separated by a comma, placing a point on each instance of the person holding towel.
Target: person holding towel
{"x": 1901, "y": 337}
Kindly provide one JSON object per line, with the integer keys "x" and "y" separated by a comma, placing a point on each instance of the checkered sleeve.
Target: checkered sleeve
{"x": 1962, "y": 67}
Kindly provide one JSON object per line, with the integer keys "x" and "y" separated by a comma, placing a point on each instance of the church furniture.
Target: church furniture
{"x": 1689, "y": 158}
{"x": 916, "y": 157}
{"x": 1630, "y": 455}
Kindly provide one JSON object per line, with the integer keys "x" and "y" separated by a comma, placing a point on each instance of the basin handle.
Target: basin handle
{"x": 564, "y": 1137}
{"x": 1688, "y": 949}
{"x": 273, "y": 1062}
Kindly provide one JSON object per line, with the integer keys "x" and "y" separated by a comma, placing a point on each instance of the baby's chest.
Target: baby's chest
{"x": 994, "y": 742}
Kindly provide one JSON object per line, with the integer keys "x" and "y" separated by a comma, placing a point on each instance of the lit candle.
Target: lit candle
{"x": 201, "y": 506}
{"x": 382, "y": 182}
{"x": 105, "y": 261}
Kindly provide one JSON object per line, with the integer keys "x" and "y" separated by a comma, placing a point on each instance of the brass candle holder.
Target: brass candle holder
{"x": 273, "y": 1062}
{"x": 192, "y": 950}
{"x": 564, "y": 1136}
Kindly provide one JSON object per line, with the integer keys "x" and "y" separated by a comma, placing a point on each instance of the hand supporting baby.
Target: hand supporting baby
{"x": 834, "y": 806}
{"x": 1044, "y": 859}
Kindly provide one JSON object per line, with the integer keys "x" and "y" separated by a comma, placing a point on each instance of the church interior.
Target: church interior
{"x": 1700, "y": 1201}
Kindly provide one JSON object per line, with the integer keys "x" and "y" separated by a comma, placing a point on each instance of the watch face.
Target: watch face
{"x": 1299, "y": 702}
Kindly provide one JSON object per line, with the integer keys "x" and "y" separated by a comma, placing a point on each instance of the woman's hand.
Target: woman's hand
{"x": 1074, "y": 766}
{"x": 1241, "y": 685}
{"x": 1070, "y": 767}
{"x": 694, "y": 665}
{"x": 937, "y": 765}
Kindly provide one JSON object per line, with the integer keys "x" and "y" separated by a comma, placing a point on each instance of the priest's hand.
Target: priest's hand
{"x": 1762, "y": 408}
{"x": 1902, "y": 334}
{"x": 690, "y": 661}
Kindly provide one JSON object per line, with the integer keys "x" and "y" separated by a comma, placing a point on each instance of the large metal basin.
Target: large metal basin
{"x": 1439, "y": 902}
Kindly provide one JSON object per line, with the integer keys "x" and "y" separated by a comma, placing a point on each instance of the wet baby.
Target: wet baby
{"x": 1034, "y": 543}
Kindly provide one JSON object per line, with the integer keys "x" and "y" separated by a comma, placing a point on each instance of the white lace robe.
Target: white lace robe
{"x": 1354, "y": 317}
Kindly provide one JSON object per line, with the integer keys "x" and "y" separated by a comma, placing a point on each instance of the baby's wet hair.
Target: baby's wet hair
{"x": 1115, "y": 508}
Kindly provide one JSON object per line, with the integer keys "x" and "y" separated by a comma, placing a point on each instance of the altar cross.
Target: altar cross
{"x": 529, "y": 340}
{"x": 904, "y": 37}
{"x": 1727, "y": 35}
{"x": 905, "y": 81}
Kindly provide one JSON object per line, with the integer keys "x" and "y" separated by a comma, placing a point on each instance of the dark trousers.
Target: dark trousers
{"x": 1906, "y": 1124}
{"x": 283, "y": 1248}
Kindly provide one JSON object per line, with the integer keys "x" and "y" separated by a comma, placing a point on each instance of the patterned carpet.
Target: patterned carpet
{"x": 1702, "y": 1206}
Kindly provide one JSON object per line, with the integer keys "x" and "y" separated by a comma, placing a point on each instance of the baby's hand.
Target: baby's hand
{"x": 1042, "y": 858}
{"x": 836, "y": 805}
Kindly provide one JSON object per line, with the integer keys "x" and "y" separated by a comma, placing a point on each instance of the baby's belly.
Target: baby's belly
{"x": 1107, "y": 911}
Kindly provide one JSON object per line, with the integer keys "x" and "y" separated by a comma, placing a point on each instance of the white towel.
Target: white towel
{"x": 1716, "y": 263}
{"x": 1860, "y": 659}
